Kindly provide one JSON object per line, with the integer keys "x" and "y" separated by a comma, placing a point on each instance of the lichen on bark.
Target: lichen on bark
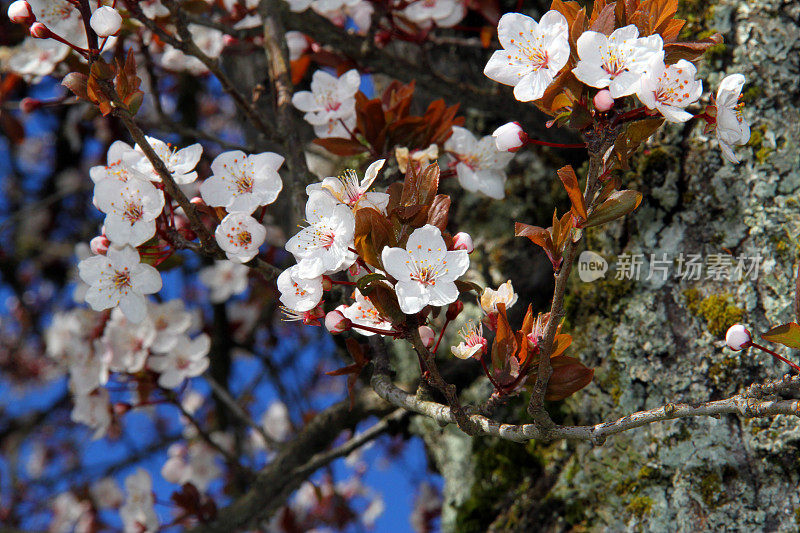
{"x": 648, "y": 345}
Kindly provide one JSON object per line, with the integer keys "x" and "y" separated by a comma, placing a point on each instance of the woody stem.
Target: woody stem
{"x": 597, "y": 147}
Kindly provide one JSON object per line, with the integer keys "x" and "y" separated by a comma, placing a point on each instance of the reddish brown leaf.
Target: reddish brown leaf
{"x": 673, "y": 52}
{"x": 12, "y": 127}
{"x": 505, "y": 342}
{"x": 602, "y": 21}
{"x": 341, "y": 146}
{"x": 570, "y": 181}
{"x": 569, "y": 376}
{"x": 77, "y": 83}
{"x": 439, "y": 211}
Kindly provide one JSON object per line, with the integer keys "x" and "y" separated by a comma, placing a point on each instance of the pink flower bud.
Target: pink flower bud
{"x": 509, "y": 137}
{"x": 39, "y": 31}
{"x": 336, "y": 322}
{"x": 197, "y": 200}
{"x": 99, "y": 245}
{"x": 603, "y": 100}
{"x": 28, "y": 104}
{"x": 463, "y": 241}
{"x": 428, "y": 336}
{"x": 105, "y": 21}
{"x": 229, "y": 40}
{"x": 737, "y": 337}
{"x": 20, "y": 12}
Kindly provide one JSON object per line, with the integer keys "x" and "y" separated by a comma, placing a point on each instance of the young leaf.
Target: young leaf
{"x": 76, "y": 82}
{"x": 341, "y": 146}
{"x": 438, "y": 212}
{"x": 569, "y": 376}
{"x": 619, "y": 204}
{"x": 786, "y": 334}
{"x": 352, "y": 371}
{"x": 570, "y": 181}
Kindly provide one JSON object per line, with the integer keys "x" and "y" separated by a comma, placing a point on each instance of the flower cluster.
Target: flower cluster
{"x": 619, "y": 64}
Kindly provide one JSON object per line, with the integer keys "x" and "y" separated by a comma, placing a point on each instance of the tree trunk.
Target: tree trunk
{"x": 655, "y": 341}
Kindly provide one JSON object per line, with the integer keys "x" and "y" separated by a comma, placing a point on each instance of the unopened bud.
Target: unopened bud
{"x": 20, "y": 12}
{"x": 603, "y": 101}
{"x": 336, "y": 322}
{"x": 510, "y": 137}
{"x": 428, "y": 336}
{"x": 28, "y": 104}
{"x": 198, "y": 201}
{"x": 105, "y": 21}
{"x": 229, "y": 40}
{"x": 99, "y": 245}
{"x": 454, "y": 309}
{"x": 737, "y": 337}
{"x": 39, "y": 31}
{"x": 463, "y": 241}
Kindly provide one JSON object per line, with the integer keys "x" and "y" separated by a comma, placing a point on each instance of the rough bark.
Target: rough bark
{"x": 653, "y": 342}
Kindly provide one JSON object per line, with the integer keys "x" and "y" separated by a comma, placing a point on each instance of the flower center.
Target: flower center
{"x": 133, "y": 211}
{"x": 244, "y": 184}
{"x": 614, "y": 64}
{"x": 243, "y": 238}
{"x": 121, "y": 279}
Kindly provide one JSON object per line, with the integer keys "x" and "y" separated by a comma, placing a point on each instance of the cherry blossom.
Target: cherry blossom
{"x": 240, "y": 183}
{"x": 473, "y": 343}
{"x": 346, "y": 189}
{"x": 224, "y": 279}
{"x": 670, "y": 89}
{"x": 731, "y": 128}
{"x": 364, "y": 313}
{"x": 127, "y": 345}
{"x": 330, "y": 105}
{"x": 187, "y": 359}
{"x": 93, "y": 410}
{"x": 106, "y": 493}
{"x": 153, "y": 8}
{"x": 210, "y": 40}
{"x": 297, "y": 44}
{"x": 503, "y": 295}
{"x": 299, "y": 293}
{"x": 119, "y": 279}
{"x": 339, "y": 11}
{"x": 240, "y": 235}
{"x": 276, "y": 421}
{"x": 533, "y": 53}
{"x": 616, "y": 61}
{"x": 420, "y": 158}
{"x": 115, "y": 168}
{"x": 444, "y": 13}
{"x": 180, "y": 162}
{"x": 425, "y": 271}
{"x": 196, "y": 465}
{"x": 479, "y": 164}
{"x": 68, "y": 511}
{"x": 131, "y": 209}
{"x": 170, "y": 321}
{"x": 34, "y": 58}
{"x": 138, "y": 514}
{"x": 322, "y": 247}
